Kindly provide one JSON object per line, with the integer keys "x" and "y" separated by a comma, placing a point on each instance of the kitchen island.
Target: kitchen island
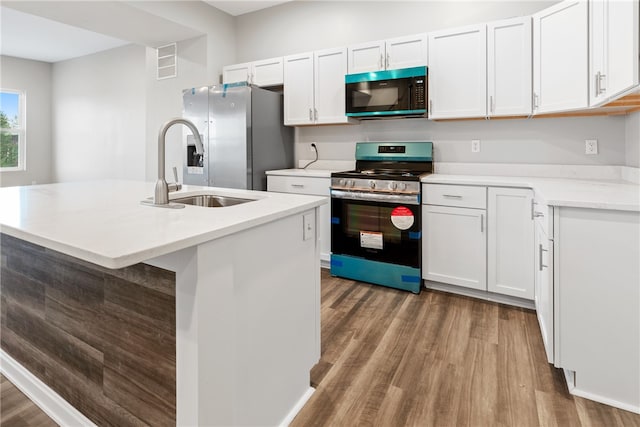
{"x": 139, "y": 315}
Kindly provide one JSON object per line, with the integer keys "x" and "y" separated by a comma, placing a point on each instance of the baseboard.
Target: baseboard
{"x": 58, "y": 409}
{"x": 484, "y": 295}
{"x": 297, "y": 407}
{"x": 575, "y": 390}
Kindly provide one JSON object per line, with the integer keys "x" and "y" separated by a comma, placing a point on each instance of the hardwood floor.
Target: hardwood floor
{"x": 391, "y": 358}
{"x": 16, "y": 410}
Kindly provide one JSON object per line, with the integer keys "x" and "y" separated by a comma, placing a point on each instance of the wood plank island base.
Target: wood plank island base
{"x": 104, "y": 340}
{"x": 189, "y": 316}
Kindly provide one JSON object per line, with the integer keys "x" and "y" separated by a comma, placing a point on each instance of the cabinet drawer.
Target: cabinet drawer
{"x": 463, "y": 196}
{"x": 316, "y": 186}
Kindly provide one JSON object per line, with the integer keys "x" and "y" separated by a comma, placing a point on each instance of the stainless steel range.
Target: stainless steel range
{"x": 376, "y": 214}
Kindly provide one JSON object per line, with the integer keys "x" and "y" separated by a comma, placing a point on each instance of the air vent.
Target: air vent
{"x": 167, "y": 61}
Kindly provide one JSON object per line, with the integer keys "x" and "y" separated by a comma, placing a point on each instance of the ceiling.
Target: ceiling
{"x": 236, "y": 8}
{"x": 31, "y": 37}
{"x": 55, "y": 31}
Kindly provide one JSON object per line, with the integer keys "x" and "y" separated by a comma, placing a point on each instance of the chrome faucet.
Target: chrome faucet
{"x": 161, "y": 194}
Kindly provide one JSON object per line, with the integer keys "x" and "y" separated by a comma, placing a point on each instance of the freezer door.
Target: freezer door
{"x": 229, "y": 123}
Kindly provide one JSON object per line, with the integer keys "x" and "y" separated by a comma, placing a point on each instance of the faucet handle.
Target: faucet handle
{"x": 174, "y": 186}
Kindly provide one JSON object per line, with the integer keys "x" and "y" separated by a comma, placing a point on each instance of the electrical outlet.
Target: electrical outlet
{"x": 591, "y": 146}
{"x": 475, "y": 145}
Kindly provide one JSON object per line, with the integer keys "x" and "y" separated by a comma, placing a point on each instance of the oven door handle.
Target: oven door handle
{"x": 409, "y": 199}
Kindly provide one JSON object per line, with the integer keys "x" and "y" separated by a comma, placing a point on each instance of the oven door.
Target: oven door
{"x": 379, "y": 230}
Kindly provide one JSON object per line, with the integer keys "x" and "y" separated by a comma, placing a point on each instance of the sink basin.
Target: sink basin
{"x": 211, "y": 201}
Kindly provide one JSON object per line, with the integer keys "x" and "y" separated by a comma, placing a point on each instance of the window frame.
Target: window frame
{"x": 20, "y": 130}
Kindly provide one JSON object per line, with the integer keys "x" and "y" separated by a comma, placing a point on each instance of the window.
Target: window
{"x": 12, "y": 130}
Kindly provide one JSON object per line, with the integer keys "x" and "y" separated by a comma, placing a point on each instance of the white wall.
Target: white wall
{"x": 99, "y": 116}
{"x": 33, "y": 77}
{"x": 200, "y": 62}
{"x": 164, "y": 102}
{"x": 121, "y": 85}
{"x": 633, "y": 140}
{"x": 300, "y": 26}
{"x": 540, "y": 141}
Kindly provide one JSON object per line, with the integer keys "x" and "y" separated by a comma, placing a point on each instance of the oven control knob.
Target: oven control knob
{"x": 403, "y": 186}
{"x": 342, "y": 182}
{"x": 393, "y": 185}
{"x": 351, "y": 183}
{"x": 372, "y": 184}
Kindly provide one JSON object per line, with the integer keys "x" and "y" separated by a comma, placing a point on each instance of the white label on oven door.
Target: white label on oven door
{"x": 371, "y": 239}
{"x": 402, "y": 217}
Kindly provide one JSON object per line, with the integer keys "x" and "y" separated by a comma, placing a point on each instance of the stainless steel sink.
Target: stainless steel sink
{"x": 210, "y": 201}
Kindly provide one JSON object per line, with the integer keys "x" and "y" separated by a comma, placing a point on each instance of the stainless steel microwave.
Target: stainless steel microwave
{"x": 389, "y": 93}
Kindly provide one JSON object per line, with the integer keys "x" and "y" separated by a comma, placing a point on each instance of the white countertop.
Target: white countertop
{"x": 581, "y": 193}
{"x": 103, "y": 222}
{"x": 315, "y": 173}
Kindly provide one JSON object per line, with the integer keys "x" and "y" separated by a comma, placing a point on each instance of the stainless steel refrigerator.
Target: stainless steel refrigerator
{"x": 243, "y": 134}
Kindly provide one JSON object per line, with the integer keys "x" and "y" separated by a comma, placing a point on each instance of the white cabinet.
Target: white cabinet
{"x": 458, "y": 73}
{"x": 315, "y": 186}
{"x": 510, "y": 267}
{"x": 613, "y": 48}
{"x": 509, "y": 83}
{"x": 366, "y": 57}
{"x": 560, "y": 58}
{"x": 597, "y": 303}
{"x": 391, "y": 54}
{"x": 544, "y": 276}
{"x": 314, "y": 89}
{"x": 267, "y": 72}
{"x": 236, "y": 73}
{"x": 454, "y": 238}
{"x": 298, "y": 89}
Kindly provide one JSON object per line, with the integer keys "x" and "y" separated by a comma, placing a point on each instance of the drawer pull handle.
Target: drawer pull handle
{"x": 538, "y": 214}
{"x": 452, "y": 196}
{"x": 298, "y": 185}
{"x": 541, "y": 265}
{"x": 482, "y": 223}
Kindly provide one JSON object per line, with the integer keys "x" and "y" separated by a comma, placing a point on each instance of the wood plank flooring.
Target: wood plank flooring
{"x": 391, "y": 358}
{"x": 16, "y": 410}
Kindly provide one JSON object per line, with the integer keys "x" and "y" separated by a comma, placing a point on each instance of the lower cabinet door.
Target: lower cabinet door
{"x": 510, "y": 269}
{"x": 454, "y": 246}
{"x": 544, "y": 289}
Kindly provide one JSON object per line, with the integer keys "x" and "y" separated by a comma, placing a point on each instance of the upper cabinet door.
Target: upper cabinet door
{"x": 298, "y": 89}
{"x": 458, "y": 73}
{"x": 509, "y": 83}
{"x": 613, "y": 49}
{"x": 268, "y": 72}
{"x": 236, "y": 73}
{"x": 560, "y": 57}
{"x": 366, "y": 57}
{"x": 329, "y": 86}
{"x": 406, "y": 52}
